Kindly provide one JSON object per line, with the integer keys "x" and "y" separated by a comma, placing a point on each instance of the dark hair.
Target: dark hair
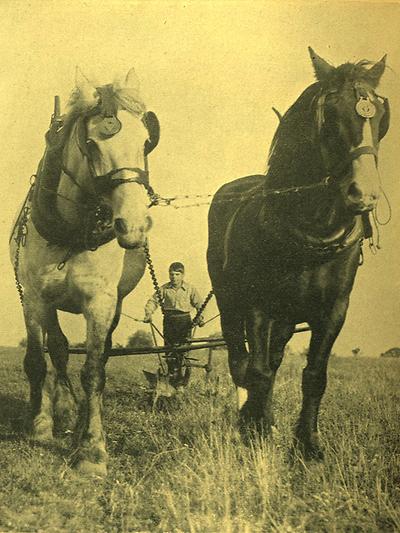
{"x": 177, "y": 267}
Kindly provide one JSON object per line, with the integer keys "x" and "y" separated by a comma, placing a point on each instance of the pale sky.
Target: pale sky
{"x": 211, "y": 71}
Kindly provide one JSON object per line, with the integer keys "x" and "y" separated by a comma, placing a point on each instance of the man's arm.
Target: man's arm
{"x": 150, "y": 307}
{"x": 196, "y": 302}
{"x": 195, "y": 298}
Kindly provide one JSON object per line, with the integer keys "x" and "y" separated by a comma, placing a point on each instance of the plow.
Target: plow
{"x": 163, "y": 383}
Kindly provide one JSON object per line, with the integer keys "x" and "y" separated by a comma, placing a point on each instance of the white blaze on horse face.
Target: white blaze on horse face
{"x": 130, "y": 207}
{"x": 125, "y": 151}
{"x": 363, "y": 192}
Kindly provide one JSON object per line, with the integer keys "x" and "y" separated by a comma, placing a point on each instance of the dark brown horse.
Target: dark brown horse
{"x": 284, "y": 247}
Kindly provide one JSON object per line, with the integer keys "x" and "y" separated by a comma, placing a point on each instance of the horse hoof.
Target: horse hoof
{"x": 42, "y": 430}
{"x": 310, "y": 451}
{"x": 314, "y": 453}
{"x": 43, "y": 436}
{"x": 87, "y": 468}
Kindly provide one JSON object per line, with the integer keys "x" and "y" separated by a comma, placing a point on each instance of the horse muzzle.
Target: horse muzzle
{"x": 359, "y": 202}
{"x": 131, "y": 244}
{"x": 131, "y": 238}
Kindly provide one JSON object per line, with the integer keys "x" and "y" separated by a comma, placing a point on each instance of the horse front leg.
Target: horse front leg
{"x": 267, "y": 339}
{"x": 324, "y": 334}
{"x": 91, "y": 455}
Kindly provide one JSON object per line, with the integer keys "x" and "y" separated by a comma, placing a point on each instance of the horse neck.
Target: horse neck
{"x": 316, "y": 211}
{"x": 296, "y": 161}
{"x": 72, "y": 198}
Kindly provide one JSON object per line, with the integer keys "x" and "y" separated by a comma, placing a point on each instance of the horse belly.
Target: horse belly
{"x": 300, "y": 294}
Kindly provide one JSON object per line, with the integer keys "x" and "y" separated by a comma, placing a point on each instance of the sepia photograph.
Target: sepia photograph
{"x": 200, "y": 266}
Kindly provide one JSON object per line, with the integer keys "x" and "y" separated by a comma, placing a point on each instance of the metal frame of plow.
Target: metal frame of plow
{"x": 159, "y": 382}
{"x": 200, "y": 344}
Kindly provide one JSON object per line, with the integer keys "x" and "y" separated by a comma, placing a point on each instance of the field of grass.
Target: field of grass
{"x": 184, "y": 468}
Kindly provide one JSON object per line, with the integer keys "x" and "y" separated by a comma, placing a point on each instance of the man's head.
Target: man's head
{"x": 176, "y": 274}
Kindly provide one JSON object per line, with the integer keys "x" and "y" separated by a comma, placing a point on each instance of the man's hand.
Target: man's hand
{"x": 147, "y": 319}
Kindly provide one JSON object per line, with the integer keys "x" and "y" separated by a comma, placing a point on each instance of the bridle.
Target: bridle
{"x": 365, "y": 108}
{"x": 104, "y": 183}
{"x": 94, "y": 210}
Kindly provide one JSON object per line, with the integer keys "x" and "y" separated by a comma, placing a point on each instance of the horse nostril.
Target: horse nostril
{"x": 120, "y": 226}
{"x": 148, "y": 224}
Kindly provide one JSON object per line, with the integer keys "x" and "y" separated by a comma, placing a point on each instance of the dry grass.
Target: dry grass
{"x": 185, "y": 469}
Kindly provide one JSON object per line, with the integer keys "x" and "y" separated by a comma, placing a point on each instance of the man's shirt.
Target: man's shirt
{"x": 180, "y": 299}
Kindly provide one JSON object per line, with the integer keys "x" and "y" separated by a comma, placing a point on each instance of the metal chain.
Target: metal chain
{"x": 153, "y": 276}
{"x": 17, "y": 282}
{"x": 20, "y": 239}
{"x": 233, "y": 196}
{"x": 203, "y": 306}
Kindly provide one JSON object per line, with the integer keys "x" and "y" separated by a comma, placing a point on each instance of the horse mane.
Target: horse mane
{"x": 294, "y": 131}
{"x": 109, "y": 95}
{"x": 294, "y": 139}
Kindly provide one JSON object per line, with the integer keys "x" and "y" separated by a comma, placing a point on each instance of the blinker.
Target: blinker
{"x": 365, "y": 108}
{"x": 110, "y": 126}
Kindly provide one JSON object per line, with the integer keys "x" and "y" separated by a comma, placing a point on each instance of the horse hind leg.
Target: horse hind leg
{"x": 65, "y": 403}
{"x": 267, "y": 340}
{"x": 232, "y": 324}
{"x": 41, "y": 381}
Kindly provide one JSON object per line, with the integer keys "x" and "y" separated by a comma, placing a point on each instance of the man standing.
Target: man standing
{"x": 177, "y": 299}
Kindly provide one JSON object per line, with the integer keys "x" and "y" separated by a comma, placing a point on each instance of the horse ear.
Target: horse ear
{"x": 375, "y": 72}
{"x": 87, "y": 91}
{"x": 131, "y": 80}
{"x": 322, "y": 68}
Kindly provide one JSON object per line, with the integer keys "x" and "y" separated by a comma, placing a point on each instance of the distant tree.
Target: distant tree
{"x": 216, "y": 335}
{"x": 393, "y": 352}
{"x": 22, "y": 343}
{"x": 140, "y": 339}
{"x": 356, "y": 351}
